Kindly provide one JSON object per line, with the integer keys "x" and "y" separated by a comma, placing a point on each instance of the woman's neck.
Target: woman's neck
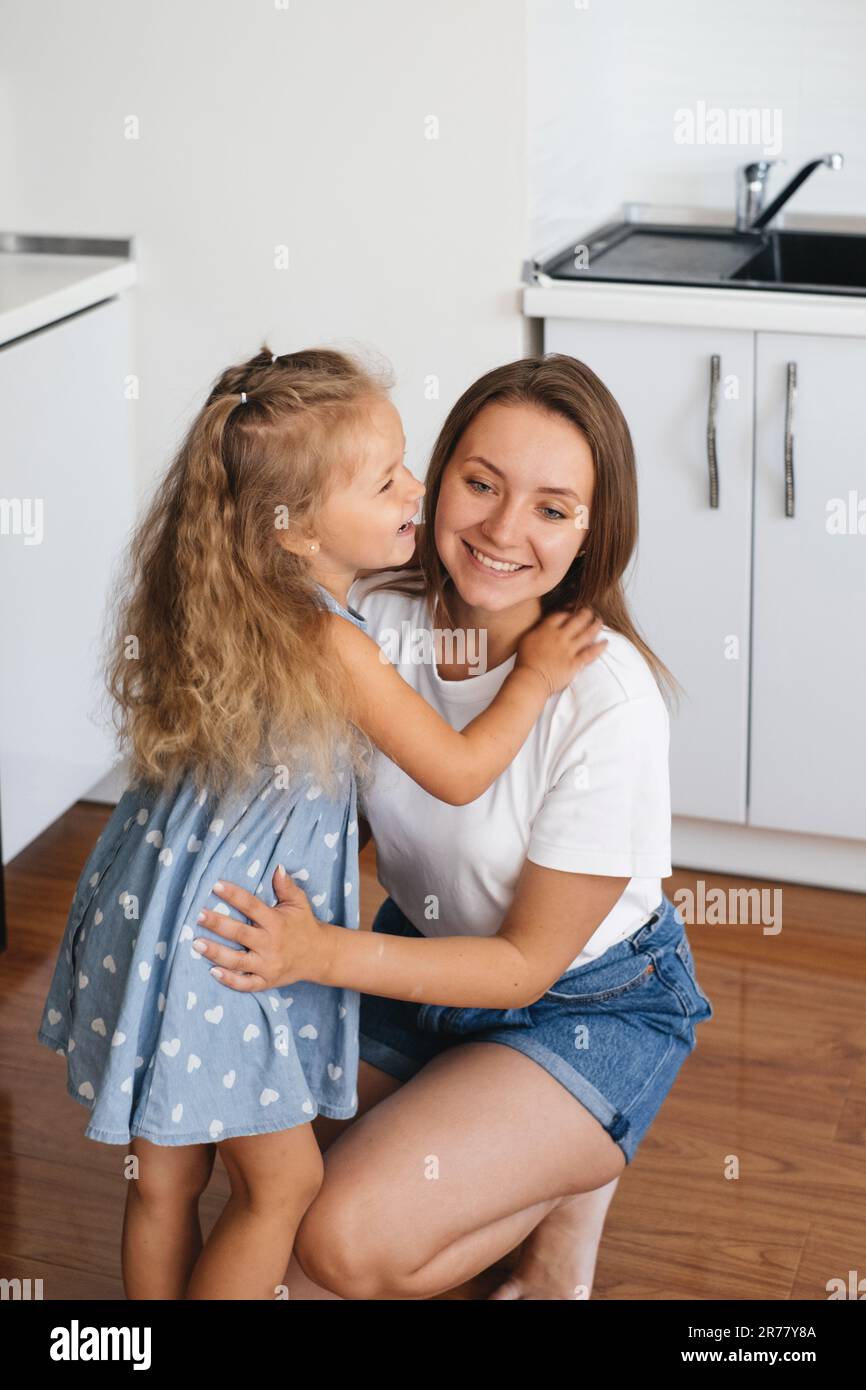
{"x": 502, "y": 632}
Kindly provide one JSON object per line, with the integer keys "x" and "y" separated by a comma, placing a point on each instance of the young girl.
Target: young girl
{"x": 233, "y": 680}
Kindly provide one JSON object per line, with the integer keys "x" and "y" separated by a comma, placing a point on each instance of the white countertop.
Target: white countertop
{"x": 771, "y": 310}
{"x": 38, "y": 288}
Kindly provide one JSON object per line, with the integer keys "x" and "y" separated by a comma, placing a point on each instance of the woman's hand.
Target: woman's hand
{"x": 560, "y": 645}
{"x": 284, "y": 943}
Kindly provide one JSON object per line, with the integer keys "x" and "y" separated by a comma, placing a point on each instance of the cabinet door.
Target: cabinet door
{"x": 808, "y": 737}
{"x": 689, "y": 585}
{"x": 64, "y": 449}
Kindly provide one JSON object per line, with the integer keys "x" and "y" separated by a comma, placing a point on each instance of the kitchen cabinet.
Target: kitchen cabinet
{"x": 808, "y": 736}
{"x": 68, "y": 504}
{"x": 760, "y": 615}
{"x": 689, "y": 586}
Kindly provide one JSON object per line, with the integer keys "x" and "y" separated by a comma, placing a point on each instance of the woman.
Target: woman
{"x": 459, "y": 1152}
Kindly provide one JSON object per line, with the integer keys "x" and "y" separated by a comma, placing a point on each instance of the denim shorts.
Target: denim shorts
{"x": 614, "y": 1031}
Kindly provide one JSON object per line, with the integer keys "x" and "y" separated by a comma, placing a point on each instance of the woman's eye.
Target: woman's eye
{"x": 557, "y": 515}
{"x": 387, "y": 485}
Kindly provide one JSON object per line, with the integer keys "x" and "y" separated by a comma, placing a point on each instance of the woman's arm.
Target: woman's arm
{"x": 457, "y": 766}
{"x": 553, "y": 915}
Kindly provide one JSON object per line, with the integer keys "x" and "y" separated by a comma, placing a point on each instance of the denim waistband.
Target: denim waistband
{"x": 664, "y": 915}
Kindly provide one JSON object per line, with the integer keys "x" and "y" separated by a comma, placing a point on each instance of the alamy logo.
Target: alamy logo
{"x": 75, "y": 1343}
{"x": 417, "y": 646}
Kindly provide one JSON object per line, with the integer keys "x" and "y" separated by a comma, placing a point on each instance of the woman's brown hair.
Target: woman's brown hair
{"x": 560, "y": 385}
{"x": 218, "y": 659}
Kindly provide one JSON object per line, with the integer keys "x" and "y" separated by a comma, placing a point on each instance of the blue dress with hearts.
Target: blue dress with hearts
{"x": 154, "y": 1045}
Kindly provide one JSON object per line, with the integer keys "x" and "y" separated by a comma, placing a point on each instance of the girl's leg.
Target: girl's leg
{"x": 274, "y": 1177}
{"x": 161, "y": 1238}
{"x": 447, "y": 1175}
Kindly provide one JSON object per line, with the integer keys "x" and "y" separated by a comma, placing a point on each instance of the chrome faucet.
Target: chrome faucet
{"x": 751, "y": 186}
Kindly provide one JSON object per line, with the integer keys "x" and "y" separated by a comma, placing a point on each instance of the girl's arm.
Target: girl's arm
{"x": 457, "y": 766}
{"x": 552, "y": 916}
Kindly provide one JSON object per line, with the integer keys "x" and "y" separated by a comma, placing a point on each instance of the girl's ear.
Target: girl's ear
{"x": 306, "y": 546}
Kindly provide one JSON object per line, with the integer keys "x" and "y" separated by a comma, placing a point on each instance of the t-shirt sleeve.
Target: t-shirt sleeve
{"x": 607, "y": 810}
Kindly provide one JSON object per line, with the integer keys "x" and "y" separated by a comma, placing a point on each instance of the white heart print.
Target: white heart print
{"x": 268, "y": 1096}
{"x": 154, "y": 837}
{"x": 214, "y": 1015}
{"x": 171, "y": 1049}
{"x": 229, "y": 1079}
{"x": 331, "y": 840}
{"x": 250, "y": 1032}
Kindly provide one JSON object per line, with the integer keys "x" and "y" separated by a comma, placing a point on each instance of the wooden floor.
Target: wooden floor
{"x": 778, "y": 1080}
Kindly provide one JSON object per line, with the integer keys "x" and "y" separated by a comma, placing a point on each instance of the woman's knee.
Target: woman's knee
{"x": 333, "y": 1246}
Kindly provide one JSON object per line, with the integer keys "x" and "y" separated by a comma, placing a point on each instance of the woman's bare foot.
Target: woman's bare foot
{"x": 557, "y": 1259}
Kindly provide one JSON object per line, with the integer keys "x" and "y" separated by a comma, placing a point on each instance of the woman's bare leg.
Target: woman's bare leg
{"x": 373, "y": 1086}
{"x": 161, "y": 1238}
{"x": 560, "y": 1253}
{"x": 468, "y": 1157}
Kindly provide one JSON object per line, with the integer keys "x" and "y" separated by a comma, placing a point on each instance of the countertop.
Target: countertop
{"x": 38, "y": 288}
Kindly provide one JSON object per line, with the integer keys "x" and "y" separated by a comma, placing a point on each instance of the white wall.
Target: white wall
{"x": 262, "y": 126}
{"x": 605, "y": 82}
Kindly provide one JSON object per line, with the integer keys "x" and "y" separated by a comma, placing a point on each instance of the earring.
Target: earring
{"x": 315, "y": 545}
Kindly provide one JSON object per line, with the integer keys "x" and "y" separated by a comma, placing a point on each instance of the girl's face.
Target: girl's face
{"x": 368, "y": 524}
{"x": 516, "y": 491}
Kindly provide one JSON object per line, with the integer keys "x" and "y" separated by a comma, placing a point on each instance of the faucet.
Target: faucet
{"x": 751, "y": 185}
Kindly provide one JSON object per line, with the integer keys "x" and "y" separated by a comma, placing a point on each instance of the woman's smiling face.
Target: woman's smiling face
{"x": 518, "y": 489}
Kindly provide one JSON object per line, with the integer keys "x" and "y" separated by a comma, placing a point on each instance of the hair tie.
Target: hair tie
{"x": 273, "y": 358}
{"x": 243, "y": 397}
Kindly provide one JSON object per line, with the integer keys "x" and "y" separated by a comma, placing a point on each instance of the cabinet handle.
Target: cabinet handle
{"x": 712, "y": 460}
{"x": 789, "y": 438}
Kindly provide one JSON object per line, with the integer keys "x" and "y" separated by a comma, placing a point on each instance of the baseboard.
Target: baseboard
{"x": 817, "y": 860}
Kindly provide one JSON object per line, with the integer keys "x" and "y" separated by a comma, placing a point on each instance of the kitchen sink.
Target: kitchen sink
{"x": 714, "y": 257}
{"x": 811, "y": 260}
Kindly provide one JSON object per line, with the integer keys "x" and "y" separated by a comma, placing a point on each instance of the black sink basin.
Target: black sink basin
{"x": 656, "y": 254}
{"x": 716, "y": 257}
{"x": 808, "y": 260}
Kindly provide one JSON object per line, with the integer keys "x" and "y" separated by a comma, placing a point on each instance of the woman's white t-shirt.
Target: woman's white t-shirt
{"x": 588, "y": 792}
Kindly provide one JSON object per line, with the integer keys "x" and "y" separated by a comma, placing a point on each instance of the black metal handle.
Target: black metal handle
{"x": 790, "y": 398}
{"x": 712, "y": 459}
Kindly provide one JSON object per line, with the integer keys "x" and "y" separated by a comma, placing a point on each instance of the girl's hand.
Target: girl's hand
{"x": 560, "y": 645}
{"x": 284, "y": 943}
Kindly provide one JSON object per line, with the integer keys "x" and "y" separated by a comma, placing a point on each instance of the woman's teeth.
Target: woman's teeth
{"x": 499, "y": 565}
{"x": 405, "y": 528}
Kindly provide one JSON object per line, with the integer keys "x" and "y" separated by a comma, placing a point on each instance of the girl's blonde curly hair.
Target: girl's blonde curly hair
{"x": 217, "y": 660}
